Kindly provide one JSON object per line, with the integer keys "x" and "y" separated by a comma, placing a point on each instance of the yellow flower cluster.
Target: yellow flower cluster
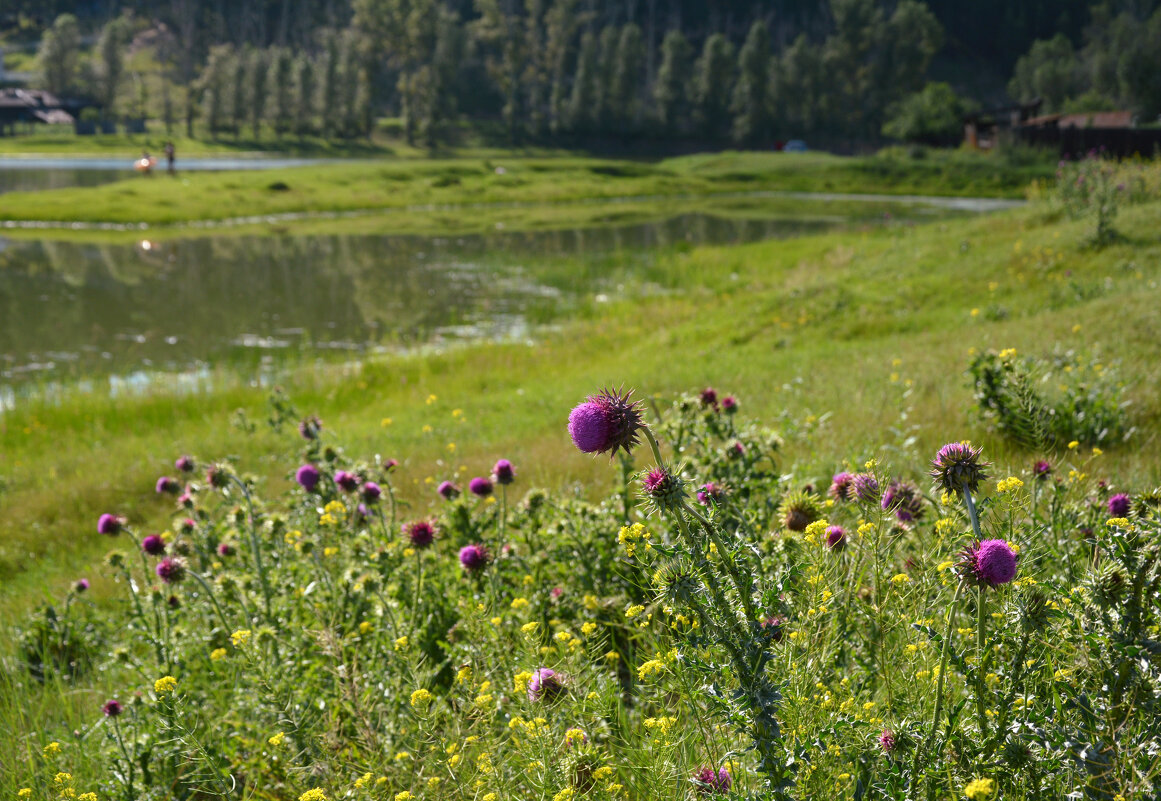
{"x": 647, "y": 669}
{"x": 980, "y": 789}
{"x": 277, "y": 740}
{"x": 1118, "y": 522}
{"x": 166, "y": 684}
{"x": 240, "y": 637}
{"x": 421, "y": 697}
{"x": 1008, "y": 484}
{"x": 660, "y": 725}
{"x": 631, "y": 536}
{"x": 316, "y": 794}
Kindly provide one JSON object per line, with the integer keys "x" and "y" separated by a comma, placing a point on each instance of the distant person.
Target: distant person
{"x": 170, "y": 158}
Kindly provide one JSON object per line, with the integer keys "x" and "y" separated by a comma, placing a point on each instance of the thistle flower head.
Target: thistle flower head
{"x": 1119, "y": 505}
{"x": 480, "y": 487}
{"x": 218, "y": 476}
{"x": 503, "y": 473}
{"x": 307, "y": 477}
{"x": 989, "y": 563}
{"x": 709, "y": 397}
{"x": 798, "y": 510}
{"x": 112, "y": 708}
{"x": 836, "y": 538}
{"x": 310, "y": 427}
{"x": 448, "y": 490}
{"x": 711, "y": 782}
{"x": 887, "y": 741}
{"x": 865, "y": 488}
{"x": 729, "y": 404}
{"x": 842, "y": 486}
{"x": 903, "y": 498}
{"x": 774, "y": 627}
{"x": 545, "y": 685}
{"x": 371, "y": 492}
{"x": 171, "y": 570}
{"x": 225, "y": 549}
{"x": 348, "y": 482}
{"x": 153, "y": 545}
{"x": 710, "y": 493}
{"x": 110, "y": 524}
{"x": 663, "y": 488}
{"x": 81, "y": 585}
{"x": 606, "y": 422}
{"x": 184, "y": 464}
{"x": 1042, "y": 469}
{"x": 421, "y": 533}
{"x": 167, "y": 486}
{"x": 473, "y": 557}
{"x": 957, "y": 465}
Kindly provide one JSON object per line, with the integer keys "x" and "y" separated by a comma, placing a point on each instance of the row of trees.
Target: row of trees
{"x": 1117, "y": 66}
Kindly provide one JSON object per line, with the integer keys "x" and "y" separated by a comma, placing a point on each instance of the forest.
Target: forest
{"x": 842, "y": 73}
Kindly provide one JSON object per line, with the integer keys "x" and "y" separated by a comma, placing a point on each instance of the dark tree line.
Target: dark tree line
{"x": 578, "y": 70}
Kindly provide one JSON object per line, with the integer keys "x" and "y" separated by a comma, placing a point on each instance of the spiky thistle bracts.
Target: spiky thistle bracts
{"x": 606, "y": 422}
{"x": 958, "y": 465}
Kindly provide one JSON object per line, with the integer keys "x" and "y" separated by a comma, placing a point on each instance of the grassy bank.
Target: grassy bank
{"x": 860, "y": 337}
{"x": 467, "y": 183}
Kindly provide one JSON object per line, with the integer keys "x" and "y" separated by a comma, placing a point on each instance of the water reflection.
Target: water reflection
{"x": 113, "y": 315}
{"x": 26, "y": 179}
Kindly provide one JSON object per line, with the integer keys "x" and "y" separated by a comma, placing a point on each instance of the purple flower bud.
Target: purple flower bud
{"x": 958, "y": 465}
{"x": 81, "y": 585}
{"x": 836, "y": 538}
{"x": 448, "y": 490}
{"x": 887, "y": 741}
{"x": 309, "y": 428}
{"x": 110, "y": 524}
{"x": 473, "y": 557}
{"x": 307, "y": 477}
{"x": 1119, "y": 505}
{"x": 503, "y": 472}
{"x": 709, "y": 397}
{"x": 545, "y": 685}
{"x": 184, "y": 464}
{"x": 225, "y": 549}
{"x": 348, "y": 482}
{"x": 420, "y": 532}
{"x": 1042, "y": 469}
{"x": 167, "y": 486}
{"x": 729, "y": 404}
{"x": 112, "y": 708}
{"x": 371, "y": 492}
{"x": 842, "y": 486}
{"x": 711, "y": 782}
{"x": 480, "y": 487}
{"x": 710, "y": 492}
{"x": 153, "y": 545}
{"x": 170, "y": 570}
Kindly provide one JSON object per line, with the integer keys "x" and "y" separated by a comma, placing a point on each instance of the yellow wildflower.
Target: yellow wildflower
{"x": 529, "y": 628}
{"x": 166, "y": 684}
{"x": 363, "y": 781}
{"x": 277, "y": 740}
{"x": 218, "y": 653}
{"x": 900, "y": 578}
{"x": 24, "y": 792}
{"x": 433, "y": 782}
{"x": 980, "y": 789}
{"x": 649, "y": 668}
{"x": 52, "y": 748}
{"x": 634, "y": 610}
{"x": 519, "y": 603}
{"x": 240, "y": 637}
{"x": 1009, "y": 483}
{"x": 602, "y": 772}
{"x": 402, "y": 643}
{"x": 405, "y": 795}
{"x": 62, "y": 779}
{"x": 1072, "y": 446}
{"x": 313, "y": 795}
{"x": 420, "y": 697}
{"x": 588, "y": 628}
{"x": 564, "y": 795}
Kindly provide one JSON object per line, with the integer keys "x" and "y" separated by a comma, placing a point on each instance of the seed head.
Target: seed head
{"x": 798, "y": 510}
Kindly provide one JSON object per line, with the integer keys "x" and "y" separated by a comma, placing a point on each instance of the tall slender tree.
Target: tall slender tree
{"x": 258, "y": 73}
{"x": 58, "y": 55}
{"x": 110, "y": 67}
{"x": 751, "y": 96}
{"x": 585, "y": 97}
{"x": 628, "y": 80}
{"x": 714, "y": 84}
{"x": 304, "y": 95}
{"x": 282, "y": 69}
{"x": 671, "y": 93}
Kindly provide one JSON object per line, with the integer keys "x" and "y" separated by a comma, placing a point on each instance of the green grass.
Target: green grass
{"x": 846, "y": 333}
{"x": 460, "y": 185}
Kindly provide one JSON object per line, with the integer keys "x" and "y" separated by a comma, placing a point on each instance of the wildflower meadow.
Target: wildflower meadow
{"x": 724, "y": 624}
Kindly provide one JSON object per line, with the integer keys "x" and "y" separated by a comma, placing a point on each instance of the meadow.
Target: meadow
{"x": 770, "y": 598}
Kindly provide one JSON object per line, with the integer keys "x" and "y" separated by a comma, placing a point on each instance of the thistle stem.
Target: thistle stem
{"x": 942, "y": 671}
{"x": 255, "y": 546}
{"x": 981, "y": 666}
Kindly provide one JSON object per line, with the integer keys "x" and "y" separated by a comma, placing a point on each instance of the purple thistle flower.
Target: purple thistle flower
{"x": 711, "y": 782}
{"x": 989, "y": 563}
{"x": 736, "y": 451}
{"x": 606, "y": 422}
{"x": 217, "y": 476}
{"x": 390, "y": 465}
{"x": 371, "y": 492}
{"x": 545, "y": 685}
{"x": 81, "y": 585}
{"x": 865, "y": 487}
{"x": 663, "y": 487}
{"x": 480, "y": 487}
{"x": 903, "y": 497}
{"x": 225, "y": 549}
{"x": 186, "y": 500}
{"x": 110, "y": 524}
{"x": 153, "y": 545}
{"x": 348, "y": 482}
{"x": 709, "y": 397}
{"x": 184, "y": 464}
{"x": 841, "y": 486}
{"x": 307, "y": 477}
{"x": 503, "y": 472}
{"x": 1042, "y": 469}
{"x": 170, "y": 570}
{"x": 887, "y": 741}
{"x": 710, "y": 492}
{"x": 362, "y": 513}
{"x": 1119, "y": 505}
{"x": 729, "y": 404}
{"x": 448, "y": 490}
{"x": 167, "y": 486}
{"x": 112, "y": 708}
{"x": 188, "y": 525}
{"x": 420, "y": 532}
{"x": 836, "y": 538}
{"x": 958, "y": 465}
{"x": 473, "y": 557}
